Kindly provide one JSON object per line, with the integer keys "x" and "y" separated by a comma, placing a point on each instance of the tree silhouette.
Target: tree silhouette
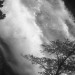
{"x": 1, "y": 3}
{"x": 63, "y": 61}
{"x": 2, "y": 15}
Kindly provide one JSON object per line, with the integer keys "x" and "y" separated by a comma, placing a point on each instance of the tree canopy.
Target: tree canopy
{"x": 63, "y": 61}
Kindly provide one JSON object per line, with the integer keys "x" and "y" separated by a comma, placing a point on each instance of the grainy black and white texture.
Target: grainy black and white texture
{"x": 27, "y": 24}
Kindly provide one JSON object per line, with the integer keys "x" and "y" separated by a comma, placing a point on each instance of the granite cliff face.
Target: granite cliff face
{"x": 27, "y": 25}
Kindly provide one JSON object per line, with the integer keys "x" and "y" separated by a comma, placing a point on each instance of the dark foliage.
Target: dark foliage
{"x": 1, "y": 3}
{"x": 63, "y": 61}
{"x": 2, "y": 15}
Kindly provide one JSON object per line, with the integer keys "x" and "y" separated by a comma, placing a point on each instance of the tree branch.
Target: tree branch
{"x": 60, "y": 65}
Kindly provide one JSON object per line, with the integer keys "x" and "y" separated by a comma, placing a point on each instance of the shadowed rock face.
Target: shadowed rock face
{"x": 27, "y": 25}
